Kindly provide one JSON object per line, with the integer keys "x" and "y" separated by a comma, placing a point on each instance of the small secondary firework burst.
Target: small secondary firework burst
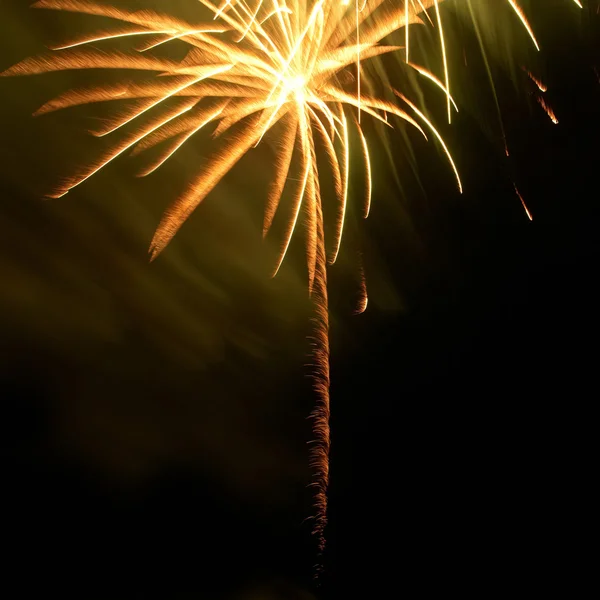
{"x": 255, "y": 69}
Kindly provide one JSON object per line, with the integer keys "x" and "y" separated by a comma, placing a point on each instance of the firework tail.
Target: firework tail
{"x": 319, "y": 453}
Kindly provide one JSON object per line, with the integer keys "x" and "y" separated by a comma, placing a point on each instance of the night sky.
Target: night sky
{"x": 155, "y": 414}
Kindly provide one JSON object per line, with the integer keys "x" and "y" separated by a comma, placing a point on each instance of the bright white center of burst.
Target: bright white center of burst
{"x": 295, "y": 86}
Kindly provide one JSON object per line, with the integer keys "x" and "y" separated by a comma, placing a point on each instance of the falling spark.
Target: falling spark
{"x": 435, "y": 132}
{"x": 252, "y": 66}
{"x": 523, "y": 203}
{"x": 363, "y": 296}
{"x": 435, "y": 80}
{"x": 525, "y": 22}
{"x": 319, "y": 458}
{"x": 540, "y": 84}
{"x": 548, "y": 109}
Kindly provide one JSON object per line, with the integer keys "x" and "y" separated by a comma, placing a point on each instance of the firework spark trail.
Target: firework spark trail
{"x": 252, "y": 66}
{"x": 523, "y": 203}
{"x": 525, "y": 22}
{"x": 538, "y": 82}
{"x": 547, "y": 109}
{"x": 363, "y": 296}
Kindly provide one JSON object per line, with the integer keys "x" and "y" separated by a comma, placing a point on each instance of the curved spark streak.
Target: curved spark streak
{"x": 129, "y": 142}
{"x": 367, "y": 159}
{"x": 436, "y": 133}
{"x": 538, "y": 82}
{"x": 429, "y": 75}
{"x": 319, "y": 454}
{"x": 525, "y": 22}
{"x": 346, "y": 179}
{"x": 363, "y": 296}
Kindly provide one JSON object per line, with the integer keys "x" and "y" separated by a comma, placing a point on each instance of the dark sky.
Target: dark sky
{"x": 154, "y": 426}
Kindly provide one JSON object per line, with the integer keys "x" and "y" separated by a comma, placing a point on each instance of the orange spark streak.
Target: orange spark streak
{"x": 345, "y": 179}
{"x": 540, "y": 84}
{"x": 523, "y": 203}
{"x": 548, "y": 109}
{"x": 129, "y": 142}
{"x": 525, "y": 22}
{"x": 319, "y": 454}
{"x": 363, "y": 298}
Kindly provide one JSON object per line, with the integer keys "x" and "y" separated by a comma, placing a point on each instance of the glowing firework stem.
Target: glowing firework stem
{"x": 252, "y": 65}
{"x": 363, "y": 299}
{"x": 320, "y": 415}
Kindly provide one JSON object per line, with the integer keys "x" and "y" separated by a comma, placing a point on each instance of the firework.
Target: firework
{"x": 256, "y": 69}
{"x": 248, "y": 68}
